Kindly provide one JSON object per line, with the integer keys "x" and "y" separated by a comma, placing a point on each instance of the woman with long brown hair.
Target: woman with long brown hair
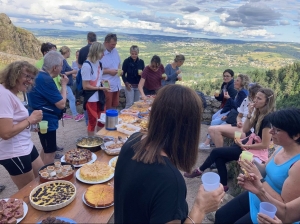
{"x": 148, "y": 185}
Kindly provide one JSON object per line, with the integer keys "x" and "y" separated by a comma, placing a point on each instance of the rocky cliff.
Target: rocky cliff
{"x": 17, "y": 41}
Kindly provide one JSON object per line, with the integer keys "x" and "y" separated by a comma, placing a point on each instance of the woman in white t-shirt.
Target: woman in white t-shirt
{"x": 17, "y": 153}
{"x": 94, "y": 98}
{"x": 227, "y": 130}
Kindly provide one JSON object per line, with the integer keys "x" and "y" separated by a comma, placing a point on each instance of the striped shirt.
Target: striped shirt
{"x": 153, "y": 79}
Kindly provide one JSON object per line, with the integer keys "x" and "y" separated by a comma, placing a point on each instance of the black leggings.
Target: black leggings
{"x": 221, "y": 156}
{"x": 236, "y": 211}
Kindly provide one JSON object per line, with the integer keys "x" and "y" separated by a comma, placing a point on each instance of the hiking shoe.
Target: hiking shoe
{"x": 67, "y": 117}
{"x": 58, "y": 156}
{"x": 225, "y": 188}
{"x": 203, "y": 146}
{"x": 195, "y": 173}
{"x": 79, "y": 117}
{"x": 59, "y": 149}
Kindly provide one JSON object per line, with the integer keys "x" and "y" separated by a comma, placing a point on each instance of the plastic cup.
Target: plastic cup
{"x": 267, "y": 209}
{"x": 211, "y": 181}
{"x": 140, "y": 71}
{"x": 43, "y": 127}
{"x": 120, "y": 72}
{"x": 247, "y": 156}
{"x": 217, "y": 93}
{"x": 237, "y": 134}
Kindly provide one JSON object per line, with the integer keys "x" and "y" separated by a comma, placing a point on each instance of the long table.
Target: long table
{"x": 76, "y": 211}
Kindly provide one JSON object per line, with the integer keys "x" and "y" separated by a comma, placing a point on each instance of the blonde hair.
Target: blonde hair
{"x": 245, "y": 80}
{"x": 10, "y": 74}
{"x": 64, "y": 49}
{"x": 269, "y": 107}
{"x": 95, "y": 50}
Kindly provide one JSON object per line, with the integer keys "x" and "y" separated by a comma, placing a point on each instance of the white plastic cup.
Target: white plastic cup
{"x": 267, "y": 209}
{"x": 211, "y": 181}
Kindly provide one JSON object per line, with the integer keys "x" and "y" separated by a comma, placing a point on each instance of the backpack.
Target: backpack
{"x": 79, "y": 86}
{"x": 202, "y": 96}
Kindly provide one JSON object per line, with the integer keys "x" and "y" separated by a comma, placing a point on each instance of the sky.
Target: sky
{"x": 263, "y": 20}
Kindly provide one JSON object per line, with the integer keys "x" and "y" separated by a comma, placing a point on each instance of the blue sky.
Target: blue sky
{"x": 266, "y": 20}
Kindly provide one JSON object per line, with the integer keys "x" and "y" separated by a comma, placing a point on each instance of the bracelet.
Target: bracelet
{"x": 191, "y": 219}
{"x": 28, "y": 123}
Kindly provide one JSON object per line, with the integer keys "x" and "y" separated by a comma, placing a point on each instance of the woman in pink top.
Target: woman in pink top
{"x": 17, "y": 153}
{"x": 150, "y": 82}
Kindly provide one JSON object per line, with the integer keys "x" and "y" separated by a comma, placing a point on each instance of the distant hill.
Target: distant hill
{"x": 17, "y": 41}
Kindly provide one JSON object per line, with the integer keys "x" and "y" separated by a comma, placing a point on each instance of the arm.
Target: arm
{"x": 124, "y": 68}
{"x": 168, "y": 71}
{"x": 265, "y": 142}
{"x": 140, "y": 87}
{"x": 87, "y": 86}
{"x": 62, "y": 103}
{"x": 231, "y": 91}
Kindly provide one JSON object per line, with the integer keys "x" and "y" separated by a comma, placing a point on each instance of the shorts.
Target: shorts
{"x": 93, "y": 111}
{"x": 19, "y": 165}
{"x": 48, "y": 141}
{"x": 111, "y": 99}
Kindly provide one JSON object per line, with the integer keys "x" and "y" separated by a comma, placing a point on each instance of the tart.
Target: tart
{"x": 53, "y": 193}
{"x": 99, "y": 195}
{"x": 97, "y": 171}
{"x": 78, "y": 156}
{"x": 126, "y": 118}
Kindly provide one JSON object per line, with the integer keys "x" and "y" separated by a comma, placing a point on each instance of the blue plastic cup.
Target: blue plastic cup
{"x": 267, "y": 209}
{"x": 211, "y": 181}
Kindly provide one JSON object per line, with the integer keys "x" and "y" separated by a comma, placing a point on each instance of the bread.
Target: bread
{"x": 95, "y": 172}
{"x": 99, "y": 195}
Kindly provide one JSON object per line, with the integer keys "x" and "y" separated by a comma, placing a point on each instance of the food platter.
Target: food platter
{"x": 63, "y": 219}
{"x": 84, "y": 201}
{"x": 38, "y": 194}
{"x": 77, "y": 174}
{"x": 94, "y": 158}
{"x": 112, "y": 160}
{"x": 25, "y": 210}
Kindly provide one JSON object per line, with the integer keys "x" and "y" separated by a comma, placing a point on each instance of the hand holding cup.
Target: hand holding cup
{"x": 35, "y": 117}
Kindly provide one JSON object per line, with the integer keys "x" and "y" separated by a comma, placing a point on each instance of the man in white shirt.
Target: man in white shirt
{"x": 111, "y": 62}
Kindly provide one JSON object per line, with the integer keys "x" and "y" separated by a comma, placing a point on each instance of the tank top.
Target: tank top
{"x": 276, "y": 175}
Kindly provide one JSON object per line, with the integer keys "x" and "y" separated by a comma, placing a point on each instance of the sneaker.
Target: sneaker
{"x": 225, "y": 188}
{"x": 58, "y": 156}
{"x": 195, "y": 173}
{"x": 67, "y": 117}
{"x": 203, "y": 146}
{"x": 79, "y": 117}
{"x": 59, "y": 149}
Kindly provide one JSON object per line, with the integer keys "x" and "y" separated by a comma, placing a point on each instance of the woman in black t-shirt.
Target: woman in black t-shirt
{"x": 148, "y": 186}
{"x": 263, "y": 104}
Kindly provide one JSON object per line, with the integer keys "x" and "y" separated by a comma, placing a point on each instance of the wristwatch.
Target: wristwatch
{"x": 262, "y": 180}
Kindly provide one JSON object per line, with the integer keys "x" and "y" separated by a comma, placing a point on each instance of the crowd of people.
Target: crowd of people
{"x": 149, "y": 164}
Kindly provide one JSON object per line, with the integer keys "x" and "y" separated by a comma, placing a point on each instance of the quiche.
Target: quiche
{"x": 126, "y": 118}
{"x": 78, "y": 156}
{"x": 99, "y": 195}
{"x": 53, "y": 193}
{"x": 96, "y": 172}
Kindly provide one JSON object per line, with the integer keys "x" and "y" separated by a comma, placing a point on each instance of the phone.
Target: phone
{"x": 106, "y": 84}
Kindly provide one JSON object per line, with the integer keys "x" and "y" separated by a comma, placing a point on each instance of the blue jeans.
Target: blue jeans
{"x": 71, "y": 98}
{"x": 86, "y": 117}
{"x": 132, "y": 96}
{"x": 216, "y": 120}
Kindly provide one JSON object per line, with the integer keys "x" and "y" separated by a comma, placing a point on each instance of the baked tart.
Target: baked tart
{"x": 99, "y": 195}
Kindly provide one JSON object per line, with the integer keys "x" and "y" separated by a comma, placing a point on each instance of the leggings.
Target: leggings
{"x": 221, "y": 156}
{"x": 236, "y": 211}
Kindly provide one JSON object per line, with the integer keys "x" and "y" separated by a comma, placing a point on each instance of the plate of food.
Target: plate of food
{"x": 113, "y": 147}
{"x": 127, "y": 118}
{"x": 57, "y": 220}
{"x": 52, "y": 195}
{"x": 12, "y": 210}
{"x": 127, "y": 129}
{"x": 96, "y": 173}
{"x": 56, "y": 171}
{"x": 99, "y": 196}
{"x": 130, "y": 112}
{"x": 113, "y": 162}
{"x": 79, "y": 157}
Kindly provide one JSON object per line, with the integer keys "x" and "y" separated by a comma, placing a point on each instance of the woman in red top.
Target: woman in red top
{"x": 150, "y": 82}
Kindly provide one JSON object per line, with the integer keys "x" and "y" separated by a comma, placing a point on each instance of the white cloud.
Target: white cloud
{"x": 247, "y": 33}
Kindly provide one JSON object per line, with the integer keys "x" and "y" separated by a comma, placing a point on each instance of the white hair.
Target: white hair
{"x": 52, "y": 59}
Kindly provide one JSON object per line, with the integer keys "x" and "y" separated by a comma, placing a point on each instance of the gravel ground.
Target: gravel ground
{"x": 66, "y": 137}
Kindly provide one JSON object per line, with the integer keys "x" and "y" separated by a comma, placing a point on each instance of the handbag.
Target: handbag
{"x": 262, "y": 154}
{"x": 231, "y": 116}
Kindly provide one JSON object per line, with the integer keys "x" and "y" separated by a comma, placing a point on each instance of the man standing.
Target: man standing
{"x": 111, "y": 62}
{"x": 83, "y": 53}
{"x": 46, "y": 97}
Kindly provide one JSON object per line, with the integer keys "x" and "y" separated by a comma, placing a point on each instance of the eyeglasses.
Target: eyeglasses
{"x": 28, "y": 77}
{"x": 275, "y": 130}
{"x": 226, "y": 76}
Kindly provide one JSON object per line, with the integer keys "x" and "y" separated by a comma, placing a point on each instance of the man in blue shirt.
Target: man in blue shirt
{"x": 46, "y": 97}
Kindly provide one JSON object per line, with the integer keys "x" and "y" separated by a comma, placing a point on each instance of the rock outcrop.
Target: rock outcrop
{"x": 17, "y": 41}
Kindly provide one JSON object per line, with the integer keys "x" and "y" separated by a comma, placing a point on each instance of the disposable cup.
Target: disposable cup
{"x": 267, "y": 209}
{"x": 140, "y": 71}
{"x": 217, "y": 93}
{"x": 120, "y": 72}
{"x": 247, "y": 156}
{"x": 237, "y": 134}
{"x": 43, "y": 127}
{"x": 211, "y": 181}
